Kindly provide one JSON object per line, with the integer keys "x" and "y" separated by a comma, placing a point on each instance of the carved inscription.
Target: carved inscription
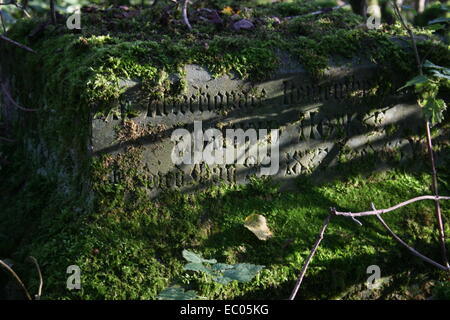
{"x": 302, "y": 162}
{"x": 294, "y": 92}
{"x": 199, "y": 174}
{"x": 205, "y": 101}
{"x": 318, "y": 125}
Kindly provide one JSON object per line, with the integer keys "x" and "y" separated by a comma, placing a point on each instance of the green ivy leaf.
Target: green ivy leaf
{"x": 430, "y": 65}
{"x": 414, "y": 81}
{"x": 433, "y": 110}
{"x": 196, "y": 267}
{"x": 437, "y": 71}
{"x": 177, "y": 293}
{"x": 221, "y": 272}
{"x": 195, "y": 258}
{"x": 439, "y": 20}
{"x": 242, "y": 272}
{"x": 441, "y": 75}
{"x": 221, "y": 267}
{"x": 222, "y": 280}
{"x": 435, "y": 27}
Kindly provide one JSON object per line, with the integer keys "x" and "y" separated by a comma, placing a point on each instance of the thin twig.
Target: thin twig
{"x": 311, "y": 255}
{"x": 16, "y": 277}
{"x": 5, "y": 38}
{"x": 41, "y": 280}
{"x": 381, "y": 211}
{"x": 357, "y": 221}
{"x": 411, "y": 249}
{"x": 435, "y": 190}
{"x": 185, "y": 15}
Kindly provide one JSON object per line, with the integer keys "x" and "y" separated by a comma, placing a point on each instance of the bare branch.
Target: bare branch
{"x": 5, "y": 38}
{"x": 16, "y": 277}
{"x": 41, "y": 280}
{"x": 311, "y": 255}
{"x": 411, "y": 249}
{"x": 437, "y": 206}
{"x": 381, "y": 211}
{"x": 185, "y": 15}
{"x": 440, "y": 224}
{"x": 357, "y": 221}
{"x": 377, "y": 213}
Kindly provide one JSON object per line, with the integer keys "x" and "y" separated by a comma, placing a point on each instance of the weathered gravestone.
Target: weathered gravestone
{"x": 285, "y": 127}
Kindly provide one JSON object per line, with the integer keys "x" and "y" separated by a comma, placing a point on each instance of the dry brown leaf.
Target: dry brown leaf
{"x": 257, "y": 224}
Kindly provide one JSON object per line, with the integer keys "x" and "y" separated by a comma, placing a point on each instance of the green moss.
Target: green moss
{"x": 248, "y": 57}
{"x": 130, "y": 248}
{"x": 85, "y": 71}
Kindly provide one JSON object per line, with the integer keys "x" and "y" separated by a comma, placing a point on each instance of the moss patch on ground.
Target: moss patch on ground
{"x": 130, "y": 248}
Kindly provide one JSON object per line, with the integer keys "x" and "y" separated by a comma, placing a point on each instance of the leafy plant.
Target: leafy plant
{"x": 427, "y": 87}
{"x": 220, "y": 272}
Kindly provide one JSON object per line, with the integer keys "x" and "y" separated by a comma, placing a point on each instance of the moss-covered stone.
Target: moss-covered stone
{"x": 127, "y": 246}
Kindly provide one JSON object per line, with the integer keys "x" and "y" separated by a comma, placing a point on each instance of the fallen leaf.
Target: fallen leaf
{"x": 257, "y": 224}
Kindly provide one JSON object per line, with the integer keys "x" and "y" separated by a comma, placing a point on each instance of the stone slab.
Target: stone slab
{"x": 319, "y": 123}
